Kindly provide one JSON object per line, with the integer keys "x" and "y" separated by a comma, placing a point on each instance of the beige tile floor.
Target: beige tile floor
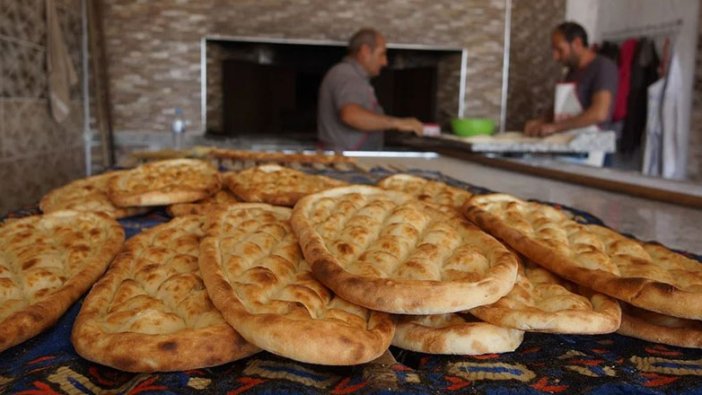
{"x": 672, "y": 225}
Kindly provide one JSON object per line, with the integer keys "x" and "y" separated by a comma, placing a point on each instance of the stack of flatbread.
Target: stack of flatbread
{"x": 335, "y": 280}
{"x": 645, "y": 275}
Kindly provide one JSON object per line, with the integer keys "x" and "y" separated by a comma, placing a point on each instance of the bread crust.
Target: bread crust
{"x": 150, "y": 311}
{"x": 277, "y": 157}
{"x": 87, "y": 194}
{"x": 435, "y": 264}
{"x": 202, "y": 207}
{"x": 276, "y": 185}
{"x": 454, "y": 333}
{"x": 646, "y": 275}
{"x": 659, "y": 328}
{"x": 272, "y": 299}
{"x": 541, "y": 302}
{"x": 165, "y": 182}
{"x": 429, "y": 191}
{"x": 56, "y": 257}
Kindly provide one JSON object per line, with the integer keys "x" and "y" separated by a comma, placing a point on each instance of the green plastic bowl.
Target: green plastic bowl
{"x": 467, "y": 127}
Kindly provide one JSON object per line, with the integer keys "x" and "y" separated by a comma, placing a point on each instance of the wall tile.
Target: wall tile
{"x": 29, "y": 128}
{"x": 26, "y": 180}
{"x": 23, "y": 20}
{"x": 533, "y": 73}
{"x": 154, "y": 49}
{"x": 2, "y": 122}
{"x": 24, "y": 70}
{"x": 36, "y": 153}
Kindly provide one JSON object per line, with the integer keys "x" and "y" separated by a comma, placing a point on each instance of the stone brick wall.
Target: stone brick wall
{"x": 694, "y": 163}
{"x": 532, "y": 73}
{"x": 153, "y": 48}
{"x": 36, "y": 153}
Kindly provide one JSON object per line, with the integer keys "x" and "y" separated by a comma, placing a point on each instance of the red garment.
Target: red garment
{"x": 626, "y": 56}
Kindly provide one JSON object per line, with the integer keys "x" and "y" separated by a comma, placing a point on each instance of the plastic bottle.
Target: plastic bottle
{"x": 178, "y": 129}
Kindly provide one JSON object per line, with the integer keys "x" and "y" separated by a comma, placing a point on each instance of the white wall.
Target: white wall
{"x": 585, "y": 12}
{"x": 602, "y": 16}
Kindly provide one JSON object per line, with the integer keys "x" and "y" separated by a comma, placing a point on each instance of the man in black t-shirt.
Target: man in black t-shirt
{"x": 595, "y": 78}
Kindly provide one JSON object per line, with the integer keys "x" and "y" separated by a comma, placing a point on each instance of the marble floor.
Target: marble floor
{"x": 672, "y": 225}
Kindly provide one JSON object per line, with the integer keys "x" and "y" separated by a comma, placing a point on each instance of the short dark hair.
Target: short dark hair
{"x": 365, "y": 36}
{"x": 571, "y": 31}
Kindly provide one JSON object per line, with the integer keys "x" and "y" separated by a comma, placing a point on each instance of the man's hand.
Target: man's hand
{"x": 359, "y": 118}
{"x": 409, "y": 125}
{"x": 539, "y": 128}
{"x": 533, "y": 127}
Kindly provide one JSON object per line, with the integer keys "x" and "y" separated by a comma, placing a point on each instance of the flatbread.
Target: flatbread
{"x": 46, "y": 263}
{"x": 151, "y": 311}
{"x": 276, "y": 185}
{"x": 389, "y": 252}
{"x": 87, "y": 194}
{"x": 646, "y": 275}
{"x": 428, "y": 191}
{"x": 278, "y": 157}
{"x": 542, "y": 302}
{"x": 165, "y": 182}
{"x": 659, "y": 328}
{"x": 454, "y": 333}
{"x": 254, "y": 271}
{"x": 202, "y": 207}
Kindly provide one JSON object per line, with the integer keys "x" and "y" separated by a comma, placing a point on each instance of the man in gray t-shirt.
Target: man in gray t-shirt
{"x": 596, "y": 81}
{"x": 349, "y": 116}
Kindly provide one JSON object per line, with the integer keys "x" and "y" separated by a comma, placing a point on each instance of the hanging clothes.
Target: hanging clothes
{"x": 644, "y": 72}
{"x": 609, "y": 49}
{"x": 626, "y": 57}
{"x": 665, "y": 152}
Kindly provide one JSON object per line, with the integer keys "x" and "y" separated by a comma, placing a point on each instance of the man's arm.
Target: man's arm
{"x": 593, "y": 115}
{"x": 359, "y": 118}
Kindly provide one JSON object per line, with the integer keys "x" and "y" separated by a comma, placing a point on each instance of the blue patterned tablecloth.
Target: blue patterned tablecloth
{"x": 544, "y": 363}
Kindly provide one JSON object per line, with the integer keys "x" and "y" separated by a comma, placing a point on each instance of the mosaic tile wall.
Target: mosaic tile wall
{"x": 153, "y": 50}
{"x": 532, "y": 72}
{"x": 36, "y": 153}
{"x": 694, "y": 163}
